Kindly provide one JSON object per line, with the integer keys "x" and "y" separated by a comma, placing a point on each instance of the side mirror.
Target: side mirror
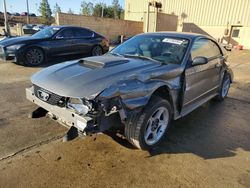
{"x": 199, "y": 61}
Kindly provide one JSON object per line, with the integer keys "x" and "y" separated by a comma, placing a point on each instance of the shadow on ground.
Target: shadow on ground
{"x": 215, "y": 130}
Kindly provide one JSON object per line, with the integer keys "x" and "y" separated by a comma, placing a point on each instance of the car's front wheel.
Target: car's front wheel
{"x": 148, "y": 129}
{"x": 97, "y": 51}
{"x": 34, "y": 57}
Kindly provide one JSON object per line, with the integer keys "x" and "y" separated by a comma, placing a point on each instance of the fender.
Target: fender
{"x": 135, "y": 93}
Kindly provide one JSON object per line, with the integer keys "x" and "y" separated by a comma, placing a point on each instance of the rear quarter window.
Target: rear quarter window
{"x": 81, "y": 33}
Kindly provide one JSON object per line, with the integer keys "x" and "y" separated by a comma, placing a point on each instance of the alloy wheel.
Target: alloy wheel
{"x": 156, "y": 126}
{"x": 225, "y": 86}
{"x": 34, "y": 56}
{"x": 97, "y": 51}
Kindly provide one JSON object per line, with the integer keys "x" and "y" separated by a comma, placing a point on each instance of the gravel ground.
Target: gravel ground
{"x": 208, "y": 148}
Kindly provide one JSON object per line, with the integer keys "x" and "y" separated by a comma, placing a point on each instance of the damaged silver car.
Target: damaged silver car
{"x": 138, "y": 87}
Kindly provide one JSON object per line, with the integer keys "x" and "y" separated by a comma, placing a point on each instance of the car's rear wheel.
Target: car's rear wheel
{"x": 97, "y": 51}
{"x": 224, "y": 88}
{"x": 34, "y": 57}
{"x": 148, "y": 129}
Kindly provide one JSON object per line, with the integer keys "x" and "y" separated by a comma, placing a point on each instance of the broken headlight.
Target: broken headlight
{"x": 81, "y": 106}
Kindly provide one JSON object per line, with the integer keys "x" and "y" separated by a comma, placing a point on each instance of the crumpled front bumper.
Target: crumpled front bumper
{"x": 63, "y": 115}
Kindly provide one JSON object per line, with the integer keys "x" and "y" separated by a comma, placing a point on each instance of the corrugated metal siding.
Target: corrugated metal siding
{"x": 200, "y": 12}
{"x": 211, "y": 12}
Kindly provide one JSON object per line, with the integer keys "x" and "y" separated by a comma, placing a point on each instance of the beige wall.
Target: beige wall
{"x": 217, "y": 33}
{"x": 110, "y": 28}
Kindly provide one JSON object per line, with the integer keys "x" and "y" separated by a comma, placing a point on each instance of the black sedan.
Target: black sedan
{"x": 53, "y": 42}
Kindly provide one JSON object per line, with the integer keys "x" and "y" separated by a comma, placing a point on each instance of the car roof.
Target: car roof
{"x": 186, "y": 35}
{"x": 68, "y": 26}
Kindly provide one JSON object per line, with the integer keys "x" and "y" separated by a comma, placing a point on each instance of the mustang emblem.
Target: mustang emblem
{"x": 43, "y": 95}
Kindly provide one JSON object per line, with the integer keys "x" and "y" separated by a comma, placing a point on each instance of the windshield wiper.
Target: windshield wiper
{"x": 141, "y": 57}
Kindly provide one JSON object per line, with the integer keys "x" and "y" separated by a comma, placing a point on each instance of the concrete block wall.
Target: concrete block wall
{"x": 110, "y": 28}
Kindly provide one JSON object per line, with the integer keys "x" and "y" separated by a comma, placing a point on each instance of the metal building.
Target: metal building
{"x": 227, "y": 20}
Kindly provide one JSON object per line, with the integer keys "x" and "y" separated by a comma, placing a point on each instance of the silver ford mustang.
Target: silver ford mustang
{"x": 138, "y": 87}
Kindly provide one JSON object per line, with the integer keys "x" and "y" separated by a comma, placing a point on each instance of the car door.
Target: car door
{"x": 84, "y": 40}
{"x": 202, "y": 80}
{"x": 63, "y": 43}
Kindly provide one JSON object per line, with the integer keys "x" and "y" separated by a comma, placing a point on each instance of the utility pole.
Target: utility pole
{"x": 148, "y": 12}
{"x": 102, "y": 9}
{"x": 28, "y": 18}
{"x": 6, "y": 24}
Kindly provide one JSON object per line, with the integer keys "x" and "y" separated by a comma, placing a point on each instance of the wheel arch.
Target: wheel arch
{"x": 36, "y": 46}
{"x": 164, "y": 92}
{"x": 230, "y": 73}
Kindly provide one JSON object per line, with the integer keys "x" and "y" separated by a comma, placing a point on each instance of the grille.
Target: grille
{"x": 53, "y": 99}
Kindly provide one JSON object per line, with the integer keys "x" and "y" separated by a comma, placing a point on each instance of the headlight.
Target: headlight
{"x": 14, "y": 47}
{"x": 80, "y": 106}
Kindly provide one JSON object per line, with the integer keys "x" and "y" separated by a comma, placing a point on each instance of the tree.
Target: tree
{"x": 116, "y": 7}
{"x": 57, "y": 9}
{"x": 108, "y": 11}
{"x": 121, "y": 13}
{"x": 97, "y": 11}
{"x": 70, "y": 11}
{"x": 45, "y": 11}
{"x": 87, "y": 9}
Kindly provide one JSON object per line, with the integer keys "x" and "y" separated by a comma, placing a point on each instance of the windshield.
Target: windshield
{"x": 46, "y": 33}
{"x": 157, "y": 47}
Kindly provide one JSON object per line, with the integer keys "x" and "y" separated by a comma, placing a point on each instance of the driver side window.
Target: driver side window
{"x": 205, "y": 48}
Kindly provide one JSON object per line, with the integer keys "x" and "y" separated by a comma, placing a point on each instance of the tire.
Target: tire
{"x": 224, "y": 88}
{"x": 97, "y": 51}
{"x": 144, "y": 130}
{"x": 34, "y": 57}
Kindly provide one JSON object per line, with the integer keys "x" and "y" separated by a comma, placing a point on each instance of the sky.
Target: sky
{"x": 20, "y": 5}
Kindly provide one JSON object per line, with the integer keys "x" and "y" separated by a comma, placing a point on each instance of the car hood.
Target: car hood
{"x": 17, "y": 40}
{"x": 89, "y": 76}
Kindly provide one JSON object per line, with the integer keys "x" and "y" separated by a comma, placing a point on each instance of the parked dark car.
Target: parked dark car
{"x": 24, "y": 14}
{"x": 39, "y": 27}
{"x": 143, "y": 83}
{"x": 28, "y": 29}
{"x": 15, "y": 14}
{"x": 53, "y": 41}
{"x": 32, "y": 15}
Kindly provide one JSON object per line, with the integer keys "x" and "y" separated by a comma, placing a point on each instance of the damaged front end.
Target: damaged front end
{"x": 87, "y": 116}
